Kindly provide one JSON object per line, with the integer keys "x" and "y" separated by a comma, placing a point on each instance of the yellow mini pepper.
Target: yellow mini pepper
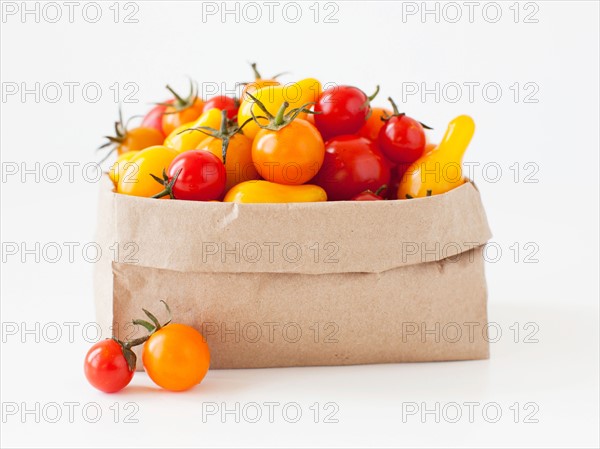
{"x": 296, "y": 94}
{"x": 440, "y": 170}
{"x": 185, "y": 138}
{"x": 270, "y": 192}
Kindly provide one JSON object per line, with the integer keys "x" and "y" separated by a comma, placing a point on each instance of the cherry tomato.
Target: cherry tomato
{"x": 195, "y": 175}
{"x": 153, "y": 119}
{"x": 176, "y": 357}
{"x": 292, "y": 155}
{"x": 106, "y": 367}
{"x": 181, "y": 110}
{"x": 222, "y": 103}
{"x": 374, "y": 123}
{"x": 238, "y": 163}
{"x": 136, "y": 178}
{"x": 174, "y": 118}
{"x": 369, "y": 195}
{"x": 341, "y": 110}
{"x": 258, "y": 83}
{"x": 137, "y": 139}
{"x": 402, "y": 138}
{"x": 352, "y": 165}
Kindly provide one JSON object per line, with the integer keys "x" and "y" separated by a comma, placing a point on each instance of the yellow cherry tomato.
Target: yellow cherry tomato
{"x": 439, "y": 171}
{"x": 182, "y": 140}
{"x": 238, "y": 163}
{"x": 119, "y": 166}
{"x": 272, "y": 97}
{"x": 270, "y": 192}
{"x": 136, "y": 179}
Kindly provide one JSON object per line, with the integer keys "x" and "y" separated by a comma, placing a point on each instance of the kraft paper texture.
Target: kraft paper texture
{"x": 272, "y": 285}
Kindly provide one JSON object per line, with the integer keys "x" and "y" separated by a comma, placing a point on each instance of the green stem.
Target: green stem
{"x": 394, "y": 107}
{"x": 261, "y": 106}
{"x": 224, "y": 122}
{"x": 279, "y": 118}
{"x": 380, "y": 189}
{"x": 256, "y": 74}
{"x": 372, "y": 97}
{"x": 136, "y": 341}
{"x": 180, "y": 100}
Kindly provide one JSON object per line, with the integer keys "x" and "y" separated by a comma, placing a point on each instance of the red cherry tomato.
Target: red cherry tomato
{"x": 352, "y": 165}
{"x": 153, "y": 119}
{"x": 369, "y": 195}
{"x": 341, "y": 110}
{"x": 402, "y": 138}
{"x": 222, "y": 103}
{"x": 106, "y": 368}
{"x": 195, "y": 175}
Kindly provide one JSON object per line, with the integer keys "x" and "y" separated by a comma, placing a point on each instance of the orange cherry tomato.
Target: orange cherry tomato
{"x": 238, "y": 162}
{"x": 371, "y": 128}
{"x": 291, "y": 155}
{"x": 176, "y": 357}
{"x": 137, "y": 139}
{"x": 174, "y": 117}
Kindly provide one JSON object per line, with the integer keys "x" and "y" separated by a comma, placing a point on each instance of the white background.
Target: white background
{"x": 371, "y": 43}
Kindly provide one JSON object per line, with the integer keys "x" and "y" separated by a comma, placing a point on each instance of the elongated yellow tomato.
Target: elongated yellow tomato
{"x": 296, "y": 94}
{"x": 136, "y": 179}
{"x": 270, "y": 192}
{"x": 439, "y": 171}
{"x": 182, "y": 140}
{"x": 118, "y": 168}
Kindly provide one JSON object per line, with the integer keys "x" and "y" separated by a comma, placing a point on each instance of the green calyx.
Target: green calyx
{"x": 227, "y": 130}
{"x": 166, "y": 183}
{"x": 119, "y": 137}
{"x": 282, "y": 118}
{"x": 181, "y": 102}
{"x": 151, "y": 326}
{"x": 397, "y": 113}
{"x": 257, "y": 75}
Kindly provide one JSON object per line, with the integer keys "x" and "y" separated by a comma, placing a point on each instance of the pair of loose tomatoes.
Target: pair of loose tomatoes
{"x": 175, "y": 356}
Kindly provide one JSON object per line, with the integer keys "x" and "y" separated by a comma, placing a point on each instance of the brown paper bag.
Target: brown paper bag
{"x": 298, "y": 284}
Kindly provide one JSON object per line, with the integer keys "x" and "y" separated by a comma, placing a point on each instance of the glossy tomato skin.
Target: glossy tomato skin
{"x": 222, "y": 103}
{"x": 351, "y": 166}
{"x": 238, "y": 164}
{"x": 292, "y": 155}
{"x": 174, "y": 118}
{"x": 367, "y": 196}
{"x": 201, "y": 176}
{"x": 153, "y": 119}
{"x": 176, "y": 357}
{"x": 138, "y": 139}
{"x": 402, "y": 139}
{"x": 106, "y": 368}
{"x": 136, "y": 179}
{"x": 341, "y": 110}
{"x": 374, "y": 123}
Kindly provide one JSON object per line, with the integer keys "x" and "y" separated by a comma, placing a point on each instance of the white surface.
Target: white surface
{"x": 370, "y": 44}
